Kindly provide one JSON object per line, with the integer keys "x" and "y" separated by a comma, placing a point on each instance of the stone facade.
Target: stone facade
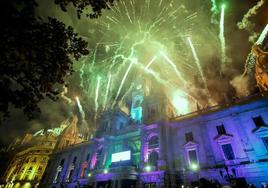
{"x": 31, "y": 154}
{"x": 225, "y": 144}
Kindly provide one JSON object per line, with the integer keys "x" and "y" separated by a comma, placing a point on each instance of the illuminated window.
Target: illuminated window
{"x": 189, "y": 137}
{"x": 58, "y": 173}
{"x": 71, "y": 170}
{"x": 228, "y": 151}
{"x": 221, "y": 129}
{"x": 258, "y": 121}
{"x": 84, "y": 168}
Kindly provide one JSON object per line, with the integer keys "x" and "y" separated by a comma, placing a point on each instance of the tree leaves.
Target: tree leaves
{"x": 80, "y": 5}
{"x": 35, "y": 56}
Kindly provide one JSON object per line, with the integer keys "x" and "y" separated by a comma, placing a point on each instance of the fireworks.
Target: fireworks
{"x": 221, "y": 36}
{"x": 153, "y": 40}
{"x": 80, "y": 108}
{"x": 262, "y": 36}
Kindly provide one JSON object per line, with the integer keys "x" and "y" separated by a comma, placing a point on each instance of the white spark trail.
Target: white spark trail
{"x": 197, "y": 62}
{"x": 107, "y": 91}
{"x": 175, "y": 68}
{"x": 221, "y": 36}
{"x": 262, "y": 36}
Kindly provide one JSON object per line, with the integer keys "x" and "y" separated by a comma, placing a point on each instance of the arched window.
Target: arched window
{"x": 153, "y": 142}
{"x": 58, "y": 173}
{"x": 153, "y": 157}
{"x": 71, "y": 170}
{"x": 98, "y": 158}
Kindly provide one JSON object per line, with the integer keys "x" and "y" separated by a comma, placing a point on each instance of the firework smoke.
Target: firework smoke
{"x": 63, "y": 95}
{"x": 245, "y": 23}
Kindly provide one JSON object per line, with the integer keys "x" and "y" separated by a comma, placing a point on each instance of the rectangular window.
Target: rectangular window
{"x": 265, "y": 141}
{"x": 258, "y": 121}
{"x": 189, "y": 137}
{"x": 192, "y": 156}
{"x": 221, "y": 129}
{"x": 228, "y": 151}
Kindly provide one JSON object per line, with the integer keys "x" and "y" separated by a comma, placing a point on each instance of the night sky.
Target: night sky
{"x": 117, "y": 31}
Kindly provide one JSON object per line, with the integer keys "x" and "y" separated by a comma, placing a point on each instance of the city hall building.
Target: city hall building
{"x": 225, "y": 144}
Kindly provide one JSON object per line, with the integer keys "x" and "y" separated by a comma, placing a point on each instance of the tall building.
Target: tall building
{"x": 33, "y": 151}
{"x": 225, "y": 144}
{"x": 261, "y": 67}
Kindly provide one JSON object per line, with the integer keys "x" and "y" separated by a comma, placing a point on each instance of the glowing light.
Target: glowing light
{"x": 121, "y": 156}
{"x": 148, "y": 168}
{"x": 194, "y": 166}
{"x": 180, "y": 102}
{"x": 105, "y": 171}
{"x": 221, "y": 36}
{"x": 89, "y": 175}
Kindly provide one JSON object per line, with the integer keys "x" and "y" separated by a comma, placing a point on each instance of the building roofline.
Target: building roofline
{"x": 220, "y": 107}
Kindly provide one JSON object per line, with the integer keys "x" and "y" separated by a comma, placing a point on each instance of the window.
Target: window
{"x": 87, "y": 158}
{"x": 192, "y": 157}
{"x": 153, "y": 157}
{"x": 228, "y": 151}
{"x": 258, "y": 121}
{"x": 189, "y": 137}
{"x": 98, "y": 159}
{"x": 221, "y": 129}
{"x": 62, "y": 162}
{"x": 34, "y": 160}
{"x": 265, "y": 141}
{"x": 153, "y": 142}
{"x": 74, "y": 160}
{"x": 59, "y": 169}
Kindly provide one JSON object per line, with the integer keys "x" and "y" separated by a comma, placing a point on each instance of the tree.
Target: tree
{"x": 80, "y": 5}
{"x": 35, "y": 56}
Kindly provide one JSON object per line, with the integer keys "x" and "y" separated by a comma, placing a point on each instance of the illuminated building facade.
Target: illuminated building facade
{"x": 32, "y": 154}
{"x": 224, "y": 143}
{"x": 261, "y": 67}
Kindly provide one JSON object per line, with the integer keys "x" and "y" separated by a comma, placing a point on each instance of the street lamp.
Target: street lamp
{"x": 194, "y": 167}
{"x": 105, "y": 171}
{"x": 148, "y": 168}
